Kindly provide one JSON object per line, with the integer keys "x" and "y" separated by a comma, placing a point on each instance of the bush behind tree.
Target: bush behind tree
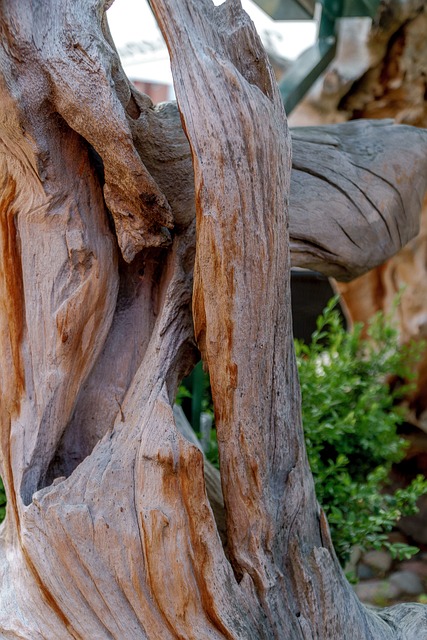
{"x": 351, "y": 389}
{"x": 351, "y": 386}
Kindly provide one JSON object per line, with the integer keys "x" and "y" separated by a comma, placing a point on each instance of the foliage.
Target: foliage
{"x": 212, "y": 453}
{"x": 206, "y": 407}
{"x": 182, "y": 393}
{"x": 350, "y": 386}
{"x": 350, "y": 419}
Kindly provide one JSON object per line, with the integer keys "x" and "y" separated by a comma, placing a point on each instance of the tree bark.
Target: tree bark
{"x": 109, "y": 532}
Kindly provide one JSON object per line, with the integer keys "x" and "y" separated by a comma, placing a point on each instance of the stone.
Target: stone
{"x": 397, "y": 536}
{"x": 355, "y": 557}
{"x": 414, "y": 566}
{"x": 407, "y": 582}
{"x": 381, "y": 561}
{"x": 415, "y": 526}
{"x": 378, "y": 592}
{"x": 364, "y": 572}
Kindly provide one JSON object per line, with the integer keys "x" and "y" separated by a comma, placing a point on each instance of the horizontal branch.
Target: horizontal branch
{"x": 356, "y": 194}
{"x": 356, "y": 188}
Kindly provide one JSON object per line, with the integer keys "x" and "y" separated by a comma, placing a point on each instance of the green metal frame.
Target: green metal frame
{"x": 305, "y": 71}
{"x": 288, "y": 10}
{"x": 308, "y": 67}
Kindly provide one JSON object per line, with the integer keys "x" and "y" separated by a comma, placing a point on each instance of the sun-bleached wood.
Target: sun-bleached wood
{"x": 109, "y": 531}
{"x": 351, "y": 207}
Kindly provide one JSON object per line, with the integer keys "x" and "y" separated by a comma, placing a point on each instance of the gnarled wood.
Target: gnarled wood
{"x": 356, "y": 194}
{"x": 109, "y": 532}
{"x": 66, "y": 58}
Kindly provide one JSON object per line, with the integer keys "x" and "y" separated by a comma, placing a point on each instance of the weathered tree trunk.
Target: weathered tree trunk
{"x": 109, "y": 532}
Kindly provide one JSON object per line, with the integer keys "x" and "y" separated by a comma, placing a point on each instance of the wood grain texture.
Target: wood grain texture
{"x": 70, "y": 48}
{"x": 356, "y": 194}
{"x": 110, "y": 114}
{"x": 278, "y": 541}
{"x": 109, "y": 531}
{"x": 391, "y": 84}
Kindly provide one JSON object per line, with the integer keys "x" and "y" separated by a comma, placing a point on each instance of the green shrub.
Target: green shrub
{"x": 350, "y": 388}
{"x": 350, "y": 422}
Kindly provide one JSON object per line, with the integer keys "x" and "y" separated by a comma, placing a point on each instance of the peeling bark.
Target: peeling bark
{"x": 109, "y": 531}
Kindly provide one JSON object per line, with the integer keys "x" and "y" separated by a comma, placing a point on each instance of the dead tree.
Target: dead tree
{"x": 109, "y": 531}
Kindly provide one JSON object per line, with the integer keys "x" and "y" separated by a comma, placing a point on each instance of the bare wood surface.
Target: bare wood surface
{"x": 277, "y": 562}
{"x": 212, "y": 476}
{"x": 135, "y": 191}
{"x": 109, "y": 532}
{"x": 356, "y": 194}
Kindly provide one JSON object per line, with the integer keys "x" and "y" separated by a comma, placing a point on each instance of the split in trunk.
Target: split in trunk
{"x": 109, "y": 531}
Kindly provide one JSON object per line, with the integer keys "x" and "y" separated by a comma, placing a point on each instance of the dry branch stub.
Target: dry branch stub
{"x": 356, "y": 194}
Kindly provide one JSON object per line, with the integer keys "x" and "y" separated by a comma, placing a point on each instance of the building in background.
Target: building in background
{"x": 145, "y": 57}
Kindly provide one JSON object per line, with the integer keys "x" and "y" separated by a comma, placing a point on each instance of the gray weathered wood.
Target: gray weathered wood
{"x": 290, "y": 569}
{"x": 109, "y": 531}
{"x": 356, "y": 194}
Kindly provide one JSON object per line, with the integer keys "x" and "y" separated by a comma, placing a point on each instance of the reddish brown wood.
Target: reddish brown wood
{"x": 109, "y": 532}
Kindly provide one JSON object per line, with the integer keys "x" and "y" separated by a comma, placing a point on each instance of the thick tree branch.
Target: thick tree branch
{"x": 356, "y": 194}
{"x": 101, "y": 486}
{"x": 278, "y": 540}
